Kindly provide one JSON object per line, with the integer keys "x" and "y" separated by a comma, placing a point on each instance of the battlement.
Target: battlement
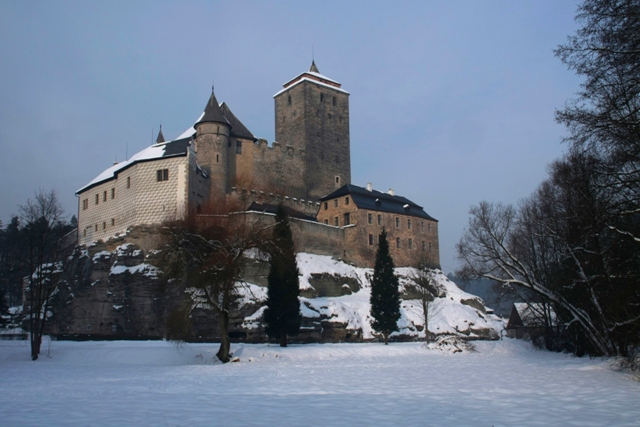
{"x": 308, "y": 207}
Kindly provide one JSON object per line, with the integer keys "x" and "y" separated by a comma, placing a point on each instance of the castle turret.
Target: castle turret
{"x": 160, "y": 138}
{"x": 212, "y": 142}
{"x": 312, "y": 115}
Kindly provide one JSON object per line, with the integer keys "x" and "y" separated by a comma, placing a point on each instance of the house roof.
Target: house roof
{"x": 237, "y": 128}
{"x": 378, "y": 201}
{"x": 530, "y": 314}
{"x": 175, "y": 148}
{"x": 313, "y": 75}
{"x": 213, "y": 112}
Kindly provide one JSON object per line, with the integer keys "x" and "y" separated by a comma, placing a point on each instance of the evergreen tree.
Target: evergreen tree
{"x": 282, "y": 316}
{"x": 385, "y": 298}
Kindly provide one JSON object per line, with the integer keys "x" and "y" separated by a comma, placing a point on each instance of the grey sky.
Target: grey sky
{"x": 451, "y": 102}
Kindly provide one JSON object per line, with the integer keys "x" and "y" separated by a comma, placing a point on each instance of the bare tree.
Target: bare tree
{"x": 208, "y": 251}
{"x": 42, "y": 223}
{"x": 424, "y": 276}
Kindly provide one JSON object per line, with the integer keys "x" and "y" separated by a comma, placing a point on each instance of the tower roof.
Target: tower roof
{"x": 212, "y": 112}
{"x": 160, "y": 137}
{"x": 313, "y": 75}
{"x": 237, "y": 128}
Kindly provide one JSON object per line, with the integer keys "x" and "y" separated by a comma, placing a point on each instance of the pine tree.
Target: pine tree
{"x": 282, "y": 316}
{"x": 385, "y": 298}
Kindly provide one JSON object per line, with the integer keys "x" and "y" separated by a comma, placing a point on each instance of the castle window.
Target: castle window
{"x": 217, "y": 158}
{"x": 370, "y": 239}
{"x": 335, "y": 203}
{"x": 424, "y": 245}
{"x": 337, "y": 178}
{"x": 238, "y": 147}
{"x": 326, "y": 205}
{"x": 96, "y": 227}
{"x": 321, "y": 97}
{"x": 104, "y": 225}
{"x": 422, "y": 225}
{"x": 409, "y": 224}
{"x": 114, "y": 328}
{"x": 128, "y": 182}
{"x": 397, "y": 242}
{"x": 97, "y": 198}
{"x": 162, "y": 174}
{"x": 370, "y": 218}
{"x": 429, "y": 246}
{"x": 113, "y": 193}
{"x": 104, "y": 196}
{"x": 113, "y": 222}
{"x": 217, "y": 130}
{"x": 429, "y": 228}
{"x": 334, "y": 101}
{"x": 326, "y": 221}
{"x": 85, "y": 204}
{"x": 289, "y": 99}
{"x": 336, "y": 221}
{"x": 346, "y": 200}
{"x": 88, "y": 327}
{"x": 410, "y": 243}
{"x": 84, "y": 232}
{"x": 347, "y": 218}
{"x": 397, "y": 222}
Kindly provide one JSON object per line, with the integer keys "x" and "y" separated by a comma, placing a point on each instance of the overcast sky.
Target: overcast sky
{"x": 452, "y": 102}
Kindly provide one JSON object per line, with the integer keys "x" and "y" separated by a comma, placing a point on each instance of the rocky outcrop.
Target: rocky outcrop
{"x": 115, "y": 291}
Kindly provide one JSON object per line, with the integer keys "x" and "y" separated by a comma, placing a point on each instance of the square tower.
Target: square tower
{"x": 312, "y": 114}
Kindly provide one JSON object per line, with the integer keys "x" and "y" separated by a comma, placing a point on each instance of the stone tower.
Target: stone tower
{"x": 312, "y": 114}
{"x": 211, "y": 143}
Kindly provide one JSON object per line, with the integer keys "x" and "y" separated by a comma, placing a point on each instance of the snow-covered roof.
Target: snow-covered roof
{"x": 307, "y": 79}
{"x": 192, "y": 130}
{"x": 533, "y": 314}
{"x": 177, "y": 147}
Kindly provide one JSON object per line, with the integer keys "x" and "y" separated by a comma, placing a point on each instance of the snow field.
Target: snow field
{"x": 503, "y": 383}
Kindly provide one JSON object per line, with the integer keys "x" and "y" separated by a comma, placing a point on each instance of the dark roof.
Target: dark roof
{"x": 237, "y": 128}
{"x": 313, "y": 68}
{"x": 160, "y": 137}
{"x": 212, "y": 112}
{"x": 179, "y": 147}
{"x": 272, "y": 209}
{"x": 377, "y": 201}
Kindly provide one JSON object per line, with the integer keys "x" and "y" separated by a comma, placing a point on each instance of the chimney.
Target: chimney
{"x": 369, "y": 186}
{"x": 391, "y": 192}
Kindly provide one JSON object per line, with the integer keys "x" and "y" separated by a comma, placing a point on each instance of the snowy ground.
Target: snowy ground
{"x": 504, "y": 383}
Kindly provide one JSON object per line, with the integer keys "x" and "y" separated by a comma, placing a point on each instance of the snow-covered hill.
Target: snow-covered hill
{"x": 455, "y": 312}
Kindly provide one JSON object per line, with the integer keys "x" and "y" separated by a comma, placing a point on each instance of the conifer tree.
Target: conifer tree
{"x": 282, "y": 316}
{"x": 385, "y": 298}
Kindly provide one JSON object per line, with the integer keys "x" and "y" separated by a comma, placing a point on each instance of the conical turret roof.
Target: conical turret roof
{"x": 238, "y": 129}
{"x": 313, "y": 68}
{"x": 212, "y": 112}
{"x": 160, "y": 137}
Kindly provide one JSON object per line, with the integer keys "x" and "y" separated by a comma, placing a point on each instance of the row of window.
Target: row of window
{"x": 425, "y": 245}
{"x": 104, "y": 226}
{"x": 334, "y": 100}
{"x": 161, "y": 175}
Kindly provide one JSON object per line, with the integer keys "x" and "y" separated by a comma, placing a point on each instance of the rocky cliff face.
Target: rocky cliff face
{"x": 115, "y": 291}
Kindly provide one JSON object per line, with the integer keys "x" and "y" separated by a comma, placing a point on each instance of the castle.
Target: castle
{"x": 308, "y": 169}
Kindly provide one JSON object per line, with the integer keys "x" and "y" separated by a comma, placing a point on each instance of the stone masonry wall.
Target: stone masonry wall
{"x": 315, "y": 118}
